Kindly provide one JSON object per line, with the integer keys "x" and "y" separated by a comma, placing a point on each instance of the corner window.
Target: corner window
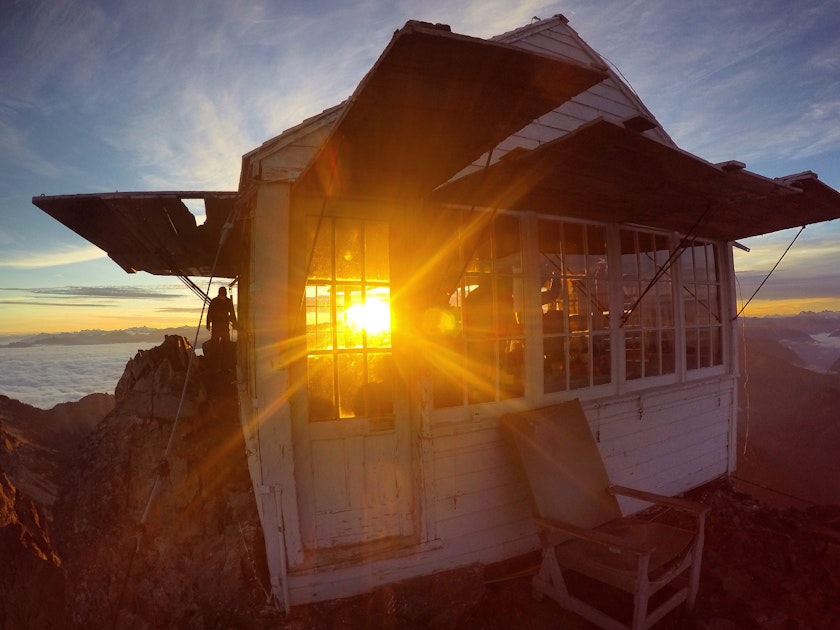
{"x": 478, "y": 351}
{"x": 648, "y": 313}
{"x": 575, "y": 305}
{"x": 702, "y": 304}
{"x": 348, "y": 319}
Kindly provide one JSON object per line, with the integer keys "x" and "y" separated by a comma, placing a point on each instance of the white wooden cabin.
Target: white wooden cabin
{"x": 483, "y": 226}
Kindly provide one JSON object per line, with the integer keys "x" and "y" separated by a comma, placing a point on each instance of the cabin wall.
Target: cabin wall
{"x": 668, "y": 441}
{"x": 263, "y": 395}
{"x": 481, "y": 500}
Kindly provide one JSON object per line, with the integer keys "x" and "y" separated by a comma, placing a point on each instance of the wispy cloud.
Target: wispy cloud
{"x": 123, "y": 292}
{"x": 58, "y": 304}
{"x": 17, "y": 152}
{"x": 52, "y": 258}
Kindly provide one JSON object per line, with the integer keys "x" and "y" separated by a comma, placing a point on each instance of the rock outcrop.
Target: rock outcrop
{"x": 158, "y": 523}
{"x": 31, "y": 578}
{"x": 155, "y": 524}
{"x": 36, "y": 447}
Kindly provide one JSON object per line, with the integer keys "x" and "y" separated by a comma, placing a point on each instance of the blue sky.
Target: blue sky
{"x": 120, "y": 95}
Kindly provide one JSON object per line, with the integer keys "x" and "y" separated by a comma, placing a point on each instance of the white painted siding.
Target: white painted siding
{"x": 668, "y": 440}
{"x": 284, "y": 157}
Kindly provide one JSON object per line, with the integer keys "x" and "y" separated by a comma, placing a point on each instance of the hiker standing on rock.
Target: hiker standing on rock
{"x": 220, "y": 317}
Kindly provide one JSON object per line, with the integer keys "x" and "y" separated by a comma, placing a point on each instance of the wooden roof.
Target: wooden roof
{"x": 433, "y": 102}
{"x": 153, "y": 231}
{"x": 605, "y": 172}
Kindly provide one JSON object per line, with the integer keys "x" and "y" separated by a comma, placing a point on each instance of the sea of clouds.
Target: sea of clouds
{"x": 43, "y": 376}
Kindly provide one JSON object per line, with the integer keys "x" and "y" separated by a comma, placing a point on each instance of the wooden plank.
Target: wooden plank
{"x": 346, "y": 581}
{"x": 509, "y": 493}
{"x": 552, "y": 43}
{"x": 481, "y": 458}
{"x": 606, "y": 107}
{"x": 380, "y": 473}
{"x": 657, "y": 429}
{"x": 331, "y": 488}
{"x": 672, "y": 465}
{"x": 491, "y": 519}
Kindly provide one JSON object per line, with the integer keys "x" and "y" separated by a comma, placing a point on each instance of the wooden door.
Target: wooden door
{"x": 360, "y": 482}
{"x": 352, "y": 439}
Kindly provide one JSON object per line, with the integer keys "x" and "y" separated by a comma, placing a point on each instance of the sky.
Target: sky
{"x": 118, "y": 95}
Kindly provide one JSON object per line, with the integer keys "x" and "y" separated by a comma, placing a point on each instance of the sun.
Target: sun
{"x": 373, "y": 316}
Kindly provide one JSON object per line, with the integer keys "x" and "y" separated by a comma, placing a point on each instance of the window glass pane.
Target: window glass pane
{"x": 687, "y": 264}
{"x": 633, "y": 354}
{"x": 701, "y": 272}
{"x": 601, "y": 363}
{"x": 348, "y": 250}
{"x": 691, "y": 349}
{"x": 375, "y": 317}
{"x": 349, "y": 313}
{"x": 664, "y": 292}
{"x": 448, "y": 378}
{"x": 704, "y": 345}
{"x": 579, "y": 364}
{"x": 703, "y": 314}
{"x": 511, "y": 369}
{"x": 714, "y": 303}
{"x": 647, "y": 257}
{"x": 554, "y": 364}
{"x": 574, "y": 256}
{"x": 711, "y": 264}
{"x": 717, "y": 345}
{"x": 320, "y": 380}
{"x": 652, "y": 363}
{"x": 319, "y": 327}
{"x": 668, "y": 348}
{"x": 378, "y": 391}
{"x": 481, "y": 370}
{"x": 351, "y": 377}
{"x": 629, "y": 255}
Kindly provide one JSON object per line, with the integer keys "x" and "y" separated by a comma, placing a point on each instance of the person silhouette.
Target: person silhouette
{"x": 220, "y": 317}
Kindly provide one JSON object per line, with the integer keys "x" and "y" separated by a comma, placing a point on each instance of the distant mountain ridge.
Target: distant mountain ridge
{"x": 792, "y": 326}
{"x": 808, "y": 340}
{"x": 140, "y": 334}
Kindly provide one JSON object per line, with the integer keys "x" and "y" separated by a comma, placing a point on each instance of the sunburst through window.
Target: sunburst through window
{"x": 348, "y": 320}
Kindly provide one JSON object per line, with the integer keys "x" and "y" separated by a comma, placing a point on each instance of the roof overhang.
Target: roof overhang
{"x": 433, "y": 103}
{"x": 605, "y": 172}
{"x": 154, "y": 231}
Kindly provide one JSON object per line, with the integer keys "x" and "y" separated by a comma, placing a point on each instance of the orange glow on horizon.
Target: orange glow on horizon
{"x": 785, "y": 308}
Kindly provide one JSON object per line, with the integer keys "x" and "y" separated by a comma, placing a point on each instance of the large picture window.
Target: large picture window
{"x": 348, "y": 319}
{"x": 481, "y": 357}
{"x": 575, "y": 300}
{"x": 526, "y": 306}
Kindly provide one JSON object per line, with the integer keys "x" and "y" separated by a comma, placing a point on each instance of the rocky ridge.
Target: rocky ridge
{"x": 195, "y": 561}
